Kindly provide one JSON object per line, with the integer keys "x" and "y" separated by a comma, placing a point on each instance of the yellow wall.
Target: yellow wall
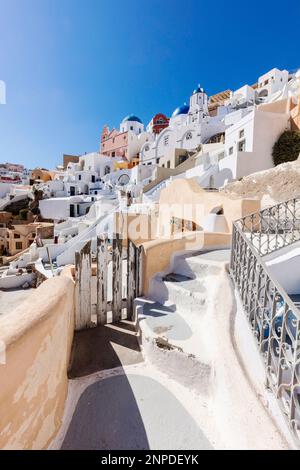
{"x": 38, "y": 337}
{"x": 39, "y": 174}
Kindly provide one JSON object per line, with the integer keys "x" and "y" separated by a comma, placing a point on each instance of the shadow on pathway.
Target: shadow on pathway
{"x": 104, "y": 347}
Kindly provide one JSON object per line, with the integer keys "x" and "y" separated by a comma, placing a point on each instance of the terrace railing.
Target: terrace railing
{"x": 272, "y": 228}
{"x": 273, "y": 316}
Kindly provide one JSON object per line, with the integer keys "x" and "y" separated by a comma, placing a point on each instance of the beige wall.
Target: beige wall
{"x": 295, "y": 115}
{"x": 178, "y": 195}
{"x": 5, "y": 217}
{"x": 38, "y": 337}
{"x": 157, "y": 254}
{"x": 164, "y": 173}
{"x": 173, "y": 157}
{"x": 26, "y": 234}
{"x": 280, "y": 106}
{"x": 139, "y": 228}
{"x": 187, "y": 192}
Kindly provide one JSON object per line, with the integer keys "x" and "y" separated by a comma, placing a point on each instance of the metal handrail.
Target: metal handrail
{"x": 273, "y": 316}
{"x": 279, "y": 223}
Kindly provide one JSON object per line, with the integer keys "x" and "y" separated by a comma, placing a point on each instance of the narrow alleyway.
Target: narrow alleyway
{"x": 118, "y": 401}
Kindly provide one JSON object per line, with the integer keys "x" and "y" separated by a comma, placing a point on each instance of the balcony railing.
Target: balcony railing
{"x": 273, "y": 316}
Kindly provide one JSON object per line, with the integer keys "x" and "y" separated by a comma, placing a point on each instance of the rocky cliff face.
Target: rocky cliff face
{"x": 274, "y": 185}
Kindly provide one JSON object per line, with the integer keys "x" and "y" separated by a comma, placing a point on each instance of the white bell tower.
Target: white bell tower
{"x": 198, "y": 105}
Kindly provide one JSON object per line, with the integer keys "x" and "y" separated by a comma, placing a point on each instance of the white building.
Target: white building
{"x": 249, "y": 138}
{"x": 61, "y": 208}
{"x": 189, "y": 126}
{"x": 243, "y": 97}
{"x": 271, "y": 83}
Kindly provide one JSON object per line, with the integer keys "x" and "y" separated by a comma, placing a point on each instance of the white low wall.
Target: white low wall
{"x": 14, "y": 281}
{"x": 284, "y": 267}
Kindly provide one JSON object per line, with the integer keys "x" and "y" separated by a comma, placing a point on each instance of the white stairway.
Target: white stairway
{"x": 175, "y": 316}
{"x": 187, "y": 330}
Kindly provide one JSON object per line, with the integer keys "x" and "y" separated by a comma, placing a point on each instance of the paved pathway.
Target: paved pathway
{"x": 118, "y": 401}
{"x": 132, "y": 412}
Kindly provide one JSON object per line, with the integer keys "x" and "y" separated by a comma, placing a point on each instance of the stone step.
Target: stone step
{"x": 202, "y": 264}
{"x": 179, "y": 293}
{"x": 171, "y": 343}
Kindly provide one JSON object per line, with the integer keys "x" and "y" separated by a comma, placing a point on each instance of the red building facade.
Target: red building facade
{"x": 158, "y": 123}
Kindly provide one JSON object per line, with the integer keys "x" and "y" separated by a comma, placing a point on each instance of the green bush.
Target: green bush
{"x": 23, "y": 214}
{"x": 287, "y": 147}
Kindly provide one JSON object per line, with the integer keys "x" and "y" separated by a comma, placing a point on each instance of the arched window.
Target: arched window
{"x": 263, "y": 93}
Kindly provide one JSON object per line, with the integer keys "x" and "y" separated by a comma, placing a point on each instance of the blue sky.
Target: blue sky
{"x": 71, "y": 66}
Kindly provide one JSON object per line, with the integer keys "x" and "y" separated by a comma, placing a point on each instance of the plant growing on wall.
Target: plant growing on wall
{"x": 23, "y": 214}
{"x": 287, "y": 147}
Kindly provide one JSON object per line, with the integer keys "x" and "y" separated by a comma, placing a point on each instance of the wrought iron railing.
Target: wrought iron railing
{"x": 273, "y": 316}
{"x": 273, "y": 228}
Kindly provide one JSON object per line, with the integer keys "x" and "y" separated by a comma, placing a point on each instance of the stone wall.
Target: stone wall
{"x": 35, "y": 342}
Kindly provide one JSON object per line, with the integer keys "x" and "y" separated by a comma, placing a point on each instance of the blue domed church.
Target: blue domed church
{"x": 190, "y": 125}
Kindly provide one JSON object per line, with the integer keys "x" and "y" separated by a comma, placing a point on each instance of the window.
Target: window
{"x": 17, "y": 235}
{"x": 147, "y": 148}
{"x": 182, "y": 158}
{"x": 166, "y": 140}
{"x": 230, "y": 150}
{"x": 242, "y": 146}
{"x": 168, "y": 164}
{"x": 19, "y": 246}
{"x": 131, "y": 128}
{"x": 157, "y": 161}
{"x": 79, "y": 177}
{"x": 241, "y": 134}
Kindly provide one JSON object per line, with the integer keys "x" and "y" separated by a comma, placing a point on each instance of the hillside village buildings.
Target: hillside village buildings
{"x": 145, "y": 227}
{"x": 126, "y": 142}
{"x": 216, "y": 140}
